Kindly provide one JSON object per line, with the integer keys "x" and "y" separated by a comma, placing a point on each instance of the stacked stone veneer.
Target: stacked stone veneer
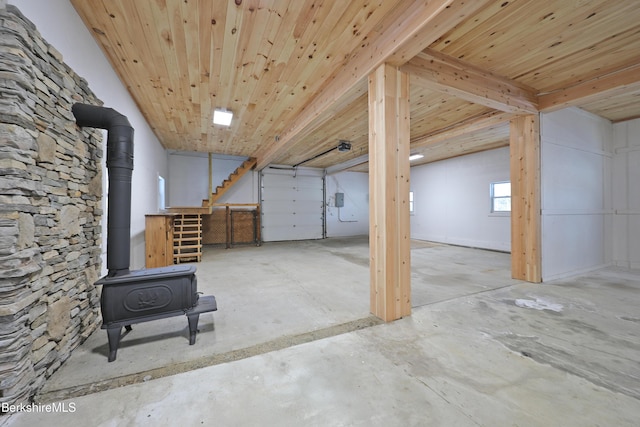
{"x": 50, "y": 211}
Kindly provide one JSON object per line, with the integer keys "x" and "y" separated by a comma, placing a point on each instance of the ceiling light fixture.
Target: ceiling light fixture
{"x": 222, "y": 117}
{"x": 415, "y": 157}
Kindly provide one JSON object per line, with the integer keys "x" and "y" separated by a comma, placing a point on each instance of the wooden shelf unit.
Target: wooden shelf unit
{"x": 158, "y": 240}
{"x": 187, "y": 237}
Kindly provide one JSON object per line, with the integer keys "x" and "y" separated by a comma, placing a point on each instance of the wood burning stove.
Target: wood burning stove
{"x": 130, "y": 297}
{"x": 145, "y": 295}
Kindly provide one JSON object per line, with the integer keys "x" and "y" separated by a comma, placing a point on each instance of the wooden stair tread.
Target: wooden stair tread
{"x": 233, "y": 178}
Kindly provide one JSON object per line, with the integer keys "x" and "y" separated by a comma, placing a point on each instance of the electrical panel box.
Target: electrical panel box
{"x": 339, "y": 200}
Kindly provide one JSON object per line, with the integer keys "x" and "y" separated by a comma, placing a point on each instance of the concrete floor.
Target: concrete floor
{"x": 293, "y": 344}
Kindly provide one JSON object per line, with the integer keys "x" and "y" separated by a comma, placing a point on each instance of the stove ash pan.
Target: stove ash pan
{"x": 145, "y": 295}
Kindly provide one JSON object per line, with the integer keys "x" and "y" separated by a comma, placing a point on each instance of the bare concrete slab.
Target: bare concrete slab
{"x": 478, "y": 349}
{"x": 267, "y": 294}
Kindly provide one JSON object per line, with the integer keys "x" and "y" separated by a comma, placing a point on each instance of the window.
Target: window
{"x": 411, "y": 203}
{"x": 501, "y": 196}
{"x": 161, "y": 195}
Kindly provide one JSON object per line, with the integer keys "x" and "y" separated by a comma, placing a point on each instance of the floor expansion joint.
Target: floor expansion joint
{"x": 203, "y": 362}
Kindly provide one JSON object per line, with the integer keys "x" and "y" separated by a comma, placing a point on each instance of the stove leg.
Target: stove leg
{"x": 114, "y": 340}
{"x": 193, "y": 327}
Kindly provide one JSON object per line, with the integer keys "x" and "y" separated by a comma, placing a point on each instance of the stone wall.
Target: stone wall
{"x": 50, "y": 210}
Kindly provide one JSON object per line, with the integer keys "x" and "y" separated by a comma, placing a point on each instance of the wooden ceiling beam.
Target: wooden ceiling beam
{"x": 436, "y": 71}
{"x": 450, "y": 149}
{"x": 492, "y": 119}
{"x": 473, "y": 124}
{"x": 407, "y": 31}
{"x": 619, "y": 82}
{"x": 347, "y": 164}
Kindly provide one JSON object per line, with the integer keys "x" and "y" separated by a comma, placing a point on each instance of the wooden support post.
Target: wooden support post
{"x": 228, "y": 225}
{"x": 258, "y": 225}
{"x": 389, "y": 233}
{"x": 210, "y": 196}
{"x": 525, "y": 198}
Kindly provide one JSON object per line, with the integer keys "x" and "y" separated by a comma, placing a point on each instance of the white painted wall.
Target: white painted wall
{"x": 452, "y": 203}
{"x": 189, "y": 179}
{"x": 576, "y": 186}
{"x": 353, "y": 218}
{"x": 626, "y": 196}
{"x": 61, "y": 26}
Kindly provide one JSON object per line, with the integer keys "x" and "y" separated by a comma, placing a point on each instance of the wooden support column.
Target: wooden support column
{"x": 389, "y": 233}
{"x": 526, "y": 219}
{"x": 210, "y": 196}
{"x": 228, "y": 225}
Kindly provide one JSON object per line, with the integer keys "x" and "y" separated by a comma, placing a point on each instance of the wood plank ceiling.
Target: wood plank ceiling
{"x": 294, "y": 72}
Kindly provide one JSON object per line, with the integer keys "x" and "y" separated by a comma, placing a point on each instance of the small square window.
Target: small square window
{"x": 500, "y": 194}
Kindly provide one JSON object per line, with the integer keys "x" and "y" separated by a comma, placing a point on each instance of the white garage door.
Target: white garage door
{"x": 292, "y": 205}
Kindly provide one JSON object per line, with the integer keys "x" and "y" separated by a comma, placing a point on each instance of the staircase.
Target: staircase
{"x": 235, "y": 176}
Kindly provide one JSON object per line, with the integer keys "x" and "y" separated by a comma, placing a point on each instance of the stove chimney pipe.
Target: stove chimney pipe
{"x": 120, "y": 166}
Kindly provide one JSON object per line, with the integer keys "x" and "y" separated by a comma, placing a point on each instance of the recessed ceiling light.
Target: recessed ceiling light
{"x": 415, "y": 157}
{"x": 222, "y": 117}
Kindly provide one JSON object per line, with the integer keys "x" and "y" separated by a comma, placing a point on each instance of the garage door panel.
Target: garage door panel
{"x": 306, "y": 223}
{"x": 307, "y": 206}
{"x": 309, "y": 196}
{"x": 275, "y": 209}
{"x": 280, "y": 221}
{"x": 276, "y": 181}
{"x": 298, "y": 206}
{"x": 294, "y": 197}
{"x": 292, "y": 206}
{"x": 292, "y": 233}
{"x": 309, "y": 183}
